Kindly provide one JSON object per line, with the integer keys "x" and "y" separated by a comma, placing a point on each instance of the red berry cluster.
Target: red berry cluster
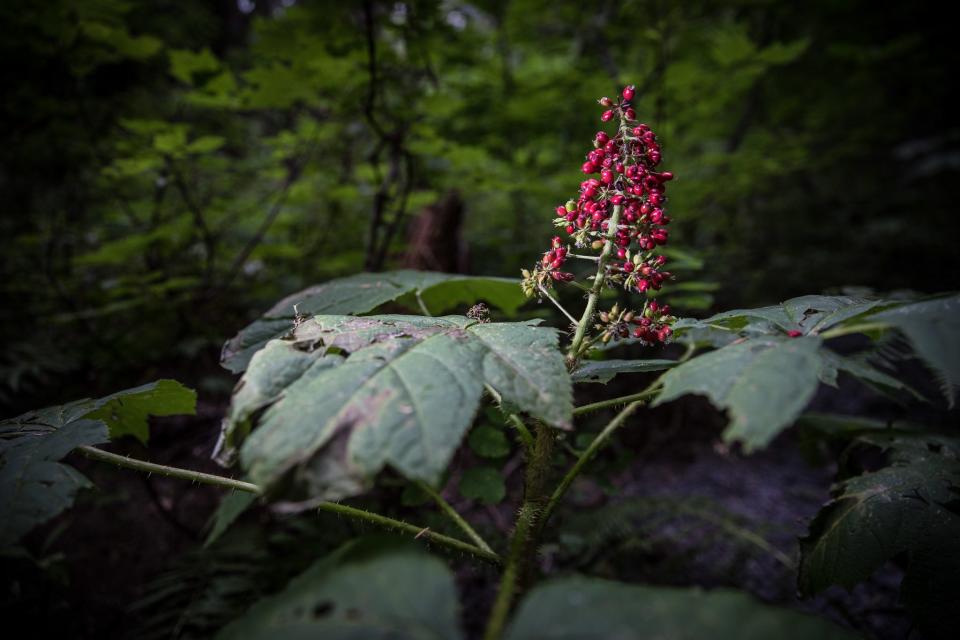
{"x": 628, "y": 179}
{"x": 630, "y": 186}
{"x": 552, "y": 261}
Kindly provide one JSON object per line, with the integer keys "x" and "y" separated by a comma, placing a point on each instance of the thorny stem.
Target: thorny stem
{"x": 525, "y": 540}
{"x": 574, "y": 353}
{"x": 522, "y": 430}
{"x": 452, "y": 513}
{"x": 170, "y": 472}
{"x": 418, "y": 532}
{"x": 585, "y": 457}
{"x": 333, "y": 507}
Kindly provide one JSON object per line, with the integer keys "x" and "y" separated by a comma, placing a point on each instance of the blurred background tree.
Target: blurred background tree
{"x": 169, "y": 169}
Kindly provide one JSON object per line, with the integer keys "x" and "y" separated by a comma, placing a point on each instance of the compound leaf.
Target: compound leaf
{"x": 404, "y": 396}
{"x": 363, "y": 293}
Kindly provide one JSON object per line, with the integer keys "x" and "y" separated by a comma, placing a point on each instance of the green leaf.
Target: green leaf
{"x": 362, "y": 591}
{"x": 365, "y": 292}
{"x": 404, "y": 396}
{"x": 860, "y": 368}
{"x": 231, "y": 507}
{"x": 489, "y": 442}
{"x": 933, "y": 329}
{"x": 125, "y": 412}
{"x": 206, "y": 144}
{"x": 594, "y": 609}
{"x": 808, "y": 314}
{"x": 907, "y": 507}
{"x": 604, "y": 371}
{"x": 764, "y": 383}
{"x": 523, "y": 363}
{"x": 34, "y": 485}
{"x": 185, "y": 63}
{"x": 484, "y": 484}
{"x": 271, "y": 370}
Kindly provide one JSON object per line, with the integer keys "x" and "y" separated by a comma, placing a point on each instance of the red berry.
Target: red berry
{"x": 607, "y": 116}
{"x": 793, "y": 333}
{"x": 628, "y": 93}
{"x": 606, "y": 176}
{"x": 630, "y": 114}
{"x": 571, "y": 228}
{"x": 606, "y": 102}
{"x": 602, "y": 137}
{"x": 589, "y": 167}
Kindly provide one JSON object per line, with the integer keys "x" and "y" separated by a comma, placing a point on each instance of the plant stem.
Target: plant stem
{"x": 521, "y": 428}
{"x": 447, "y": 508}
{"x": 524, "y": 542}
{"x": 574, "y": 353}
{"x": 613, "y": 402}
{"x": 556, "y": 303}
{"x": 221, "y": 481}
{"x": 585, "y": 457}
{"x": 417, "y": 532}
{"x": 170, "y": 472}
{"x": 512, "y": 418}
{"x": 853, "y": 328}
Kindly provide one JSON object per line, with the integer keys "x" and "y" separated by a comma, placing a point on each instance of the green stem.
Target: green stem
{"x": 453, "y": 515}
{"x": 585, "y": 457}
{"x": 521, "y": 428}
{"x": 524, "y": 542}
{"x": 230, "y": 483}
{"x": 853, "y": 328}
{"x": 512, "y": 418}
{"x": 613, "y": 402}
{"x": 556, "y": 303}
{"x": 574, "y": 353}
{"x": 170, "y": 472}
{"x": 417, "y": 532}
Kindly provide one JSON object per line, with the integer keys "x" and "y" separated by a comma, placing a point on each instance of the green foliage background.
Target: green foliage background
{"x": 171, "y": 169}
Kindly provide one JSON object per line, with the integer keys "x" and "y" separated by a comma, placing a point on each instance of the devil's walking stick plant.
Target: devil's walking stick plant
{"x": 331, "y": 398}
